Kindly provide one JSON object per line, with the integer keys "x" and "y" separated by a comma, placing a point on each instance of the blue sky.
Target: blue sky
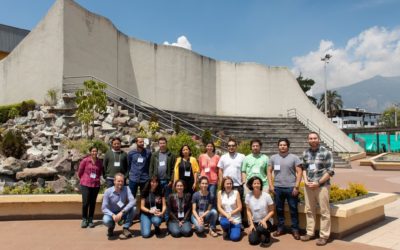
{"x": 291, "y": 33}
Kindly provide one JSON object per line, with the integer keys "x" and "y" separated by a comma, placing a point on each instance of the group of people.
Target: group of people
{"x": 168, "y": 187}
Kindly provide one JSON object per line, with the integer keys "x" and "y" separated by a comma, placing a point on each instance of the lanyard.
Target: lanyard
{"x": 119, "y": 157}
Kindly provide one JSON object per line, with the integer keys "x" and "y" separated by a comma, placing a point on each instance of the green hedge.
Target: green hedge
{"x": 23, "y": 109}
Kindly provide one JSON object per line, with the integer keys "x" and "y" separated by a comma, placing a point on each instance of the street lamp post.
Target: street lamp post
{"x": 326, "y": 61}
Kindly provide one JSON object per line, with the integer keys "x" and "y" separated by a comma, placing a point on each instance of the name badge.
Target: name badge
{"x": 312, "y": 167}
{"x": 181, "y": 215}
{"x": 120, "y": 204}
{"x": 117, "y": 164}
{"x": 277, "y": 167}
{"x": 93, "y": 175}
{"x": 140, "y": 160}
{"x": 153, "y": 209}
{"x": 207, "y": 170}
{"x": 187, "y": 173}
{"x": 162, "y": 163}
{"x": 256, "y": 170}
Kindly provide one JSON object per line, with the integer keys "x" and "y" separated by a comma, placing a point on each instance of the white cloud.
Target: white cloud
{"x": 182, "y": 42}
{"x": 375, "y": 51}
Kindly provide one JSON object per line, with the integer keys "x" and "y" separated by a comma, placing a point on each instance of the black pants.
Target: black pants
{"x": 243, "y": 212}
{"x": 255, "y": 235}
{"x": 89, "y": 196}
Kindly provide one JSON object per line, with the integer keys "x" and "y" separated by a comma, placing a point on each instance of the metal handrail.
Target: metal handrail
{"x": 124, "y": 98}
{"x": 325, "y": 137}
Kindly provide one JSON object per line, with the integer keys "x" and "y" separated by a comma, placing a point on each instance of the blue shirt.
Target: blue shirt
{"x": 114, "y": 202}
{"x": 139, "y": 165}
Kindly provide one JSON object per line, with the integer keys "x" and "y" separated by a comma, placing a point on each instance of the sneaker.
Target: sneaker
{"x": 110, "y": 232}
{"x": 84, "y": 223}
{"x": 90, "y": 223}
{"x": 321, "y": 242}
{"x": 306, "y": 237}
{"x": 126, "y": 233}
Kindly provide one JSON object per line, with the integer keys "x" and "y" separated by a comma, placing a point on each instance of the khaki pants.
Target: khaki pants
{"x": 312, "y": 197}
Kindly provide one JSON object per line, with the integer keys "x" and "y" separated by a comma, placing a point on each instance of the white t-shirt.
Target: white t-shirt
{"x": 231, "y": 166}
{"x": 228, "y": 203}
{"x": 259, "y": 207}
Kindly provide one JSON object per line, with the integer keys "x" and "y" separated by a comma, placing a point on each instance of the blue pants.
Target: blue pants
{"x": 167, "y": 192}
{"x": 280, "y": 195}
{"x": 177, "y": 231}
{"x": 233, "y": 230}
{"x": 133, "y": 186}
{"x": 128, "y": 218}
{"x": 211, "y": 218}
{"x": 145, "y": 224}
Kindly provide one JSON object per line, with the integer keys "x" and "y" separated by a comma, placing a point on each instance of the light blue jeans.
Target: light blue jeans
{"x": 211, "y": 218}
{"x": 145, "y": 224}
{"x": 127, "y": 217}
{"x": 177, "y": 231}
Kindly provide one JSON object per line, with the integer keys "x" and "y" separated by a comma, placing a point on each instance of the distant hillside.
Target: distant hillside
{"x": 374, "y": 94}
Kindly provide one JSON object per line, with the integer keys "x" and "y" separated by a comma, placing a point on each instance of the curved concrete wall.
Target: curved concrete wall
{"x": 76, "y": 42}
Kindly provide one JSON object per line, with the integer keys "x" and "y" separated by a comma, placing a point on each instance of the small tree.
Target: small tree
{"x": 305, "y": 85}
{"x": 89, "y": 100}
{"x": 388, "y": 117}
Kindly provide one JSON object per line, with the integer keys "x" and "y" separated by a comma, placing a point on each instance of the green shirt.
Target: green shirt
{"x": 256, "y": 165}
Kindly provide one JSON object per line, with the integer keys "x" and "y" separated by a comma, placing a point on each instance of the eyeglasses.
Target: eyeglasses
{"x": 231, "y": 146}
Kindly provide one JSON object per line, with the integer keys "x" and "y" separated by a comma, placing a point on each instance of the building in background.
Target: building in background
{"x": 355, "y": 118}
{"x": 10, "y": 37}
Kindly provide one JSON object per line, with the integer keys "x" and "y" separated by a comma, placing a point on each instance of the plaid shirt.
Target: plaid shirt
{"x": 323, "y": 160}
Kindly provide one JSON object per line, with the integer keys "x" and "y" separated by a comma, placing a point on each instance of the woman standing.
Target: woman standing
{"x": 153, "y": 207}
{"x": 186, "y": 169}
{"x": 89, "y": 174}
{"x": 208, "y": 167}
{"x": 260, "y": 210}
{"x": 179, "y": 207}
{"x": 202, "y": 209}
{"x": 229, "y": 207}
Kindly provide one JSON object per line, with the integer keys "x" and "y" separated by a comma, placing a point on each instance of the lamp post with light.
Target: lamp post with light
{"x": 326, "y": 61}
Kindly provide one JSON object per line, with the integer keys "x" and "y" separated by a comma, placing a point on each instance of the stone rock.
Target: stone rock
{"x": 35, "y": 140}
{"x": 59, "y": 185}
{"x": 126, "y": 140}
{"x": 21, "y": 120}
{"x": 106, "y": 127}
{"x": 109, "y": 110}
{"x": 12, "y": 164}
{"x": 41, "y": 182}
{"x": 109, "y": 119}
{"x": 121, "y": 121}
{"x": 59, "y": 122}
{"x": 8, "y": 180}
{"x": 144, "y": 124}
{"x": 75, "y": 155}
{"x": 123, "y": 112}
{"x": 33, "y": 173}
{"x": 4, "y": 171}
{"x": 62, "y": 164}
{"x": 47, "y": 152}
{"x": 140, "y": 117}
{"x": 133, "y": 122}
{"x": 34, "y": 151}
{"x": 32, "y": 163}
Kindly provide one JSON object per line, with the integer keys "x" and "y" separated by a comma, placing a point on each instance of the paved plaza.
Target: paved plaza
{"x": 66, "y": 234}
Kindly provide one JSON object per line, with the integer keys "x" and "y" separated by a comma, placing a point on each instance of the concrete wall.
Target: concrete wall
{"x": 35, "y": 65}
{"x": 71, "y": 41}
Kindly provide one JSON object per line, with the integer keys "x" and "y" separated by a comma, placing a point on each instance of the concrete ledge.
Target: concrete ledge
{"x": 353, "y": 156}
{"x": 379, "y": 165}
{"x": 349, "y": 217}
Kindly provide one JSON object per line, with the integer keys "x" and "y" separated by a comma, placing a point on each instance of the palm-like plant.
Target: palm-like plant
{"x": 334, "y": 100}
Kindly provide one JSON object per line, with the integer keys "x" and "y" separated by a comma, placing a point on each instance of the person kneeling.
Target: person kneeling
{"x": 179, "y": 208}
{"x": 260, "y": 210}
{"x": 118, "y": 207}
{"x": 229, "y": 207}
{"x": 153, "y": 208}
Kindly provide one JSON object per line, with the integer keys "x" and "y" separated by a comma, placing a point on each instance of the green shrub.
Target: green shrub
{"x": 206, "y": 136}
{"x": 22, "y": 109}
{"x": 177, "y": 127}
{"x": 244, "y": 147}
{"x": 175, "y": 143}
{"x": 153, "y": 118}
{"x": 83, "y": 145}
{"x": 13, "y": 113}
{"x": 13, "y": 144}
{"x": 337, "y": 194}
{"x": 154, "y": 127}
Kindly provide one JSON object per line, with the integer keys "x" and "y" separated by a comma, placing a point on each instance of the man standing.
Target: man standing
{"x": 255, "y": 164}
{"x": 138, "y": 166}
{"x": 115, "y": 161}
{"x": 162, "y": 164}
{"x": 317, "y": 171}
{"x": 118, "y": 207}
{"x": 287, "y": 171}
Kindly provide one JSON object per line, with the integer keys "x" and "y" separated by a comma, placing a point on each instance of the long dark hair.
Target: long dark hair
{"x": 147, "y": 188}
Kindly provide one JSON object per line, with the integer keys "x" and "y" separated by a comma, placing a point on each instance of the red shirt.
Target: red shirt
{"x": 208, "y": 167}
{"x": 89, "y": 173}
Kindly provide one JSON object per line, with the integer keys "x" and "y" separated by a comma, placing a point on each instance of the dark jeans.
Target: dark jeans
{"x": 255, "y": 235}
{"x": 133, "y": 186}
{"x": 89, "y": 196}
{"x": 282, "y": 194}
{"x": 167, "y": 191}
{"x": 243, "y": 212}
